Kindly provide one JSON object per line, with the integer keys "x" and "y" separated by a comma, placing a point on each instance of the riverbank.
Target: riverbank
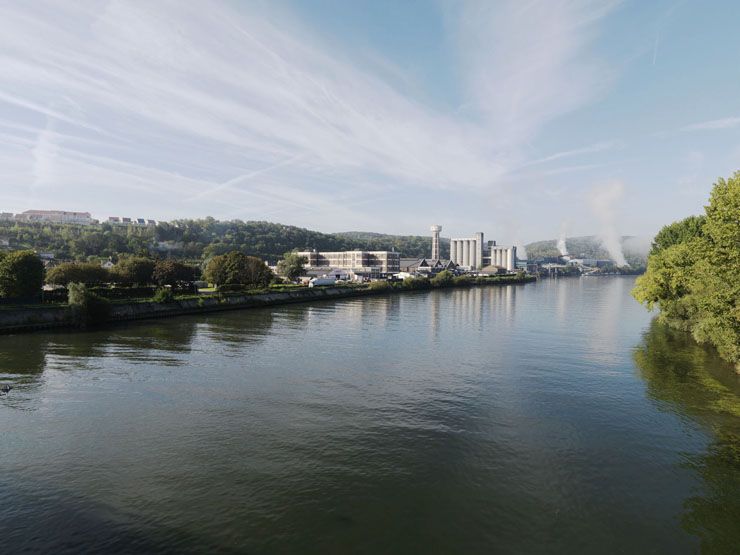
{"x": 20, "y": 319}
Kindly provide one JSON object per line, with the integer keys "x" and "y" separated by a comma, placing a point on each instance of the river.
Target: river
{"x": 553, "y": 417}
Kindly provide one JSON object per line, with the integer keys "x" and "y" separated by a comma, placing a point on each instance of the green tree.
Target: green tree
{"x": 172, "y": 272}
{"x": 236, "y": 268}
{"x": 21, "y": 274}
{"x": 678, "y": 232}
{"x": 133, "y": 269}
{"x": 82, "y": 272}
{"x": 693, "y": 273}
{"x": 291, "y": 266}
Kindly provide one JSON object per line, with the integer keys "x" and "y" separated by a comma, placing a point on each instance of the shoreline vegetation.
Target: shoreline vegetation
{"x": 86, "y": 310}
{"x": 693, "y": 273}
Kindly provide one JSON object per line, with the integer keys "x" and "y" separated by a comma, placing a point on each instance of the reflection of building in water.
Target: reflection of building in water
{"x": 475, "y": 253}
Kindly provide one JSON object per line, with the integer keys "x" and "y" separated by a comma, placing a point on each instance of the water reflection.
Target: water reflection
{"x": 692, "y": 381}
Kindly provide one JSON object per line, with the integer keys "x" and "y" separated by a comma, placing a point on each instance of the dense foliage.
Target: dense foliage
{"x": 87, "y": 307}
{"x": 21, "y": 274}
{"x": 80, "y": 272}
{"x": 236, "y": 268}
{"x": 134, "y": 270}
{"x": 197, "y": 240}
{"x": 693, "y": 273}
{"x": 172, "y": 272}
{"x": 291, "y": 266}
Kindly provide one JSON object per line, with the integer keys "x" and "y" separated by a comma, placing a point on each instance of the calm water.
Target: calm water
{"x": 551, "y": 417}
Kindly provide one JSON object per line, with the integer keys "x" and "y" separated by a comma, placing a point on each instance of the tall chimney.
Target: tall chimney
{"x": 435, "y": 241}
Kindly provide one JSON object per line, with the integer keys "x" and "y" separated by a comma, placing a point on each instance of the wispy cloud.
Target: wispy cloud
{"x": 723, "y": 123}
{"x": 187, "y": 96}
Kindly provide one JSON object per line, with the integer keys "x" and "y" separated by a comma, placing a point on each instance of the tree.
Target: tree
{"x": 134, "y": 269}
{"x": 678, "y": 232}
{"x": 291, "y": 266}
{"x": 693, "y": 273}
{"x": 172, "y": 272}
{"x": 21, "y": 274}
{"x": 81, "y": 272}
{"x": 236, "y": 268}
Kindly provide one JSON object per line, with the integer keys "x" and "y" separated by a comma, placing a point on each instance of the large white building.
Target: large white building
{"x": 475, "y": 253}
{"x": 368, "y": 263}
{"x": 55, "y": 217}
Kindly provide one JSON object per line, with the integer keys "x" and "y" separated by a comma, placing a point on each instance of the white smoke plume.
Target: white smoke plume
{"x": 604, "y": 200}
{"x": 562, "y": 247}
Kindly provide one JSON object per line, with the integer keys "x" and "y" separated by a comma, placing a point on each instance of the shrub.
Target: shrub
{"x": 78, "y": 272}
{"x": 379, "y": 286}
{"x": 238, "y": 268}
{"x": 164, "y": 295}
{"x": 21, "y": 275}
{"x": 442, "y": 279}
{"x": 172, "y": 272}
{"x": 416, "y": 283}
{"x": 467, "y": 280}
{"x": 134, "y": 269}
{"x": 87, "y": 308}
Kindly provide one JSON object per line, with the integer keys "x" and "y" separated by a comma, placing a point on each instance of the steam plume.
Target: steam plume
{"x": 603, "y": 201}
{"x": 562, "y": 247}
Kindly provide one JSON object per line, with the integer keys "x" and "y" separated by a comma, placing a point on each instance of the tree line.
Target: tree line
{"x": 693, "y": 272}
{"x": 195, "y": 240}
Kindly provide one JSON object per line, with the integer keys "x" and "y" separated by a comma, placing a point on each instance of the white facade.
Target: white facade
{"x": 55, "y": 217}
{"x": 474, "y": 253}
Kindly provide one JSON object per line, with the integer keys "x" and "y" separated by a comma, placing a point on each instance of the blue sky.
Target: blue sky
{"x": 519, "y": 119}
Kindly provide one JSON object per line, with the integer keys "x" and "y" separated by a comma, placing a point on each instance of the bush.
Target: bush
{"x": 172, "y": 272}
{"x": 134, "y": 269}
{"x": 78, "y": 272}
{"x": 379, "y": 286}
{"x": 88, "y": 309}
{"x": 238, "y": 268}
{"x": 416, "y": 283}
{"x": 164, "y": 295}
{"x": 467, "y": 280}
{"x": 442, "y": 279}
{"x": 21, "y": 275}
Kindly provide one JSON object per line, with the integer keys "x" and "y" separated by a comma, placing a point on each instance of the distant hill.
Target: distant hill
{"x": 198, "y": 239}
{"x": 590, "y": 246}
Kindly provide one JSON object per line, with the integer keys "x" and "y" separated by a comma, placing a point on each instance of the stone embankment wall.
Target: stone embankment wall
{"x": 32, "y": 318}
{"x": 39, "y": 317}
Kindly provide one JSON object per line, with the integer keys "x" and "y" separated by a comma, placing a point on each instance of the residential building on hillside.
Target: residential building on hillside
{"x": 55, "y": 217}
{"x": 6, "y": 216}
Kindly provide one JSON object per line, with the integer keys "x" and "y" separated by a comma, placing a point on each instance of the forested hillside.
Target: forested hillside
{"x": 195, "y": 240}
{"x": 589, "y": 246}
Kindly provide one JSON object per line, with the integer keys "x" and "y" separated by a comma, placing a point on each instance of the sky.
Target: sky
{"x": 522, "y": 119}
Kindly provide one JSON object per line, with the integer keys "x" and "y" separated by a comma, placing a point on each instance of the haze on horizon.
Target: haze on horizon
{"x": 516, "y": 119}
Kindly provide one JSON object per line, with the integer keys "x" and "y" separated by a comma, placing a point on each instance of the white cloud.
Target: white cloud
{"x": 240, "y": 112}
{"x": 724, "y": 123}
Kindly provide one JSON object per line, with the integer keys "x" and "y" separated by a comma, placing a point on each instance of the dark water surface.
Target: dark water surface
{"x": 552, "y": 417}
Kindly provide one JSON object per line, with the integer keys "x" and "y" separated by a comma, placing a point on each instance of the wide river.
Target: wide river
{"x": 544, "y": 418}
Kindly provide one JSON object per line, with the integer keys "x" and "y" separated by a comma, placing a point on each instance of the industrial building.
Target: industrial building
{"x": 362, "y": 263}
{"x": 475, "y": 254}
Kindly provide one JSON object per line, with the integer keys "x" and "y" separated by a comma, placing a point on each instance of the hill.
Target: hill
{"x": 196, "y": 239}
{"x": 590, "y": 246}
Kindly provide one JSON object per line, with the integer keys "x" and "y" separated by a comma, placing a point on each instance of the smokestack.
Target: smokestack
{"x": 436, "y": 229}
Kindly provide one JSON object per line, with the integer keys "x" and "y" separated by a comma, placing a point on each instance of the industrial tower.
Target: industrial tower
{"x": 436, "y": 229}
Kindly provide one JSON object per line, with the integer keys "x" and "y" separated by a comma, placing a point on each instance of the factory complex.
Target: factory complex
{"x": 467, "y": 256}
